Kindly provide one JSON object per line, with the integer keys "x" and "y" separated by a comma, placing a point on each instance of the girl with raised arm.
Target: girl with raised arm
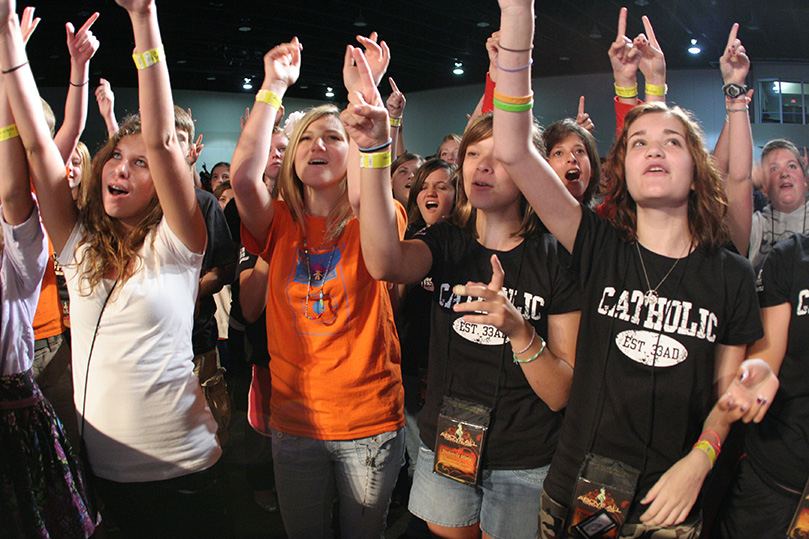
{"x": 502, "y": 339}
{"x": 667, "y": 313}
{"x": 42, "y": 490}
{"x": 336, "y": 405}
{"x": 131, "y": 257}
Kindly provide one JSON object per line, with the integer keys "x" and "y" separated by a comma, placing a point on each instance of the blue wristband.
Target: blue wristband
{"x": 376, "y": 148}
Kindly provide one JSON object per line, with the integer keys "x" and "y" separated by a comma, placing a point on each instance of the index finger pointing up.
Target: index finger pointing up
{"x": 732, "y": 37}
{"x": 86, "y": 26}
{"x": 393, "y": 85}
{"x": 621, "y": 24}
{"x": 650, "y": 33}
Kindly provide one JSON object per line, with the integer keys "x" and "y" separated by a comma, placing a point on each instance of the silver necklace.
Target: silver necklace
{"x": 651, "y": 296}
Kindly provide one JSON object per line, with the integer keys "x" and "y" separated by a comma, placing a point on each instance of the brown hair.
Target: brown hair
{"x": 464, "y": 215}
{"x": 184, "y": 122}
{"x": 447, "y": 138}
{"x": 414, "y": 216}
{"x": 558, "y": 131}
{"x": 290, "y": 186}
{"x": 221, "y": 188}
{"x": 111, "y": 247}
{"x": 784, "y": 144}
{"x": 707, "y": 202}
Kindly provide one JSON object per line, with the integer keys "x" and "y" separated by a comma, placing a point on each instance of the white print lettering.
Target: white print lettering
{"x": 650, "y": 348}
{"x": 531, "y": 309}
{"x": 667, "y": 315}
{"x": 803, "y": 303}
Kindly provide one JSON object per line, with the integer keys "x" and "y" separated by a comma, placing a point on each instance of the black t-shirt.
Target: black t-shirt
{"x": 220, "y": 251}
{"x": 652, "y": 367}
{"x": 413, "y": 321}
{"x": 523, "y": 430}
{"x": 779, "y": 445}
{"x": 255, "y": 333}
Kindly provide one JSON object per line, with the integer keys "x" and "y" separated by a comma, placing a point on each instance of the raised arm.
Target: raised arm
{"x": 282, "y": 65}
{"x": 15, "y": 187}
{"x": 106, "y": 105}
{"x": 366, "y": 122}
{"x": 170, "y": 172}
{"x": 544, "y": 190}
{"x": 82, "y": 45}
{"x": 625, "y": 59}
{"x": 46, "y": 165}
{"x": 396, "y": 104}
{"x": 652, "y": 63}
{"x": 734, "y": 149}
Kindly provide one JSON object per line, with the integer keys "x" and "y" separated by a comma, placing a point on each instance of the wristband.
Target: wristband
{"x": 532, "y": 358}
{"x": 499, "y": 46}
{"x": 15, "y": 68}
{"x": 79, "y": 85}
{"x": 375, "y": 160}
{"x": 376, "y": 148}
{"x": 508, "y": 70}
{"x": 395, "y": 122}
{"x": 150, "y": 57}
{"x": 9, "y": 132}
{"x": 512, "y": 100}
{"x": 533, "y": 336}
{"x": 626, "y": 91}
{"x": 272, "y": 99}
{"x": 718, "y": 439}
{"x": 654, "y": 89}
{"x": 743, "y": 109}
{"x": 510, "y": 107}
{"x": 705, "y": 445}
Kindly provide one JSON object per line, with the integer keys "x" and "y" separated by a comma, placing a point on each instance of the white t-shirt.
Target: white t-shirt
{"x": 771, "y": 226}
{"x": 146, "y": 418}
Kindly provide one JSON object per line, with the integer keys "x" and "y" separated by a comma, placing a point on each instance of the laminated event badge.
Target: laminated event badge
{"x": 460, "y": 433}
{"x": 799, "y": 528}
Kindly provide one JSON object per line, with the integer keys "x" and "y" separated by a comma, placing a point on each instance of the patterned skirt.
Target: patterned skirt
{"x": 42, "y": 489}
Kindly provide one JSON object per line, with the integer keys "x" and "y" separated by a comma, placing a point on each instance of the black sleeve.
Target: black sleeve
{"x": 776, "y": 275}
{"x": 437, "y": 238}
{"x": 593, "y": 244}
{"x": 221, "y": 249}
{"x": 744, "y": 324}
{"x": 566, "y": 294}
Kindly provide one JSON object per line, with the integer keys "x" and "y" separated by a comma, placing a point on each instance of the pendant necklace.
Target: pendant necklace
{"x": 651, "y": 296}
{"x": 319, "y": 306}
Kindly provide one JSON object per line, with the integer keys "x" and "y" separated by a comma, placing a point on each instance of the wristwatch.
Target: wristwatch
{"x": 733, "y": 90}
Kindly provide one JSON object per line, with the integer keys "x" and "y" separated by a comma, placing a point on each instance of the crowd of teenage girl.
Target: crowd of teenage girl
{"x": 554, "y": 346}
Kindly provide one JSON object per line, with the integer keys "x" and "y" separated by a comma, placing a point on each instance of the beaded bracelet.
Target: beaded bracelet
{"x": 654, "y": 89}
{"x": 375, "y": 160}
{"x": 532, "y": 358}
{"x": 511, "y": 107}
{"x": 150, "y": 57}
{"x": 271, "y": 98}
{"x": 533, "y": 336}
{"x": 626, "y": 91}
{"x": 9, "y": 132}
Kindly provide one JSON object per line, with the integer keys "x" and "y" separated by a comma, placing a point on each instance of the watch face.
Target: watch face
{"x": 734, "y": 90}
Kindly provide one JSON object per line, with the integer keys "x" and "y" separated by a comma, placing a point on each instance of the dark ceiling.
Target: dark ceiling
{"x": 208, "y": 48}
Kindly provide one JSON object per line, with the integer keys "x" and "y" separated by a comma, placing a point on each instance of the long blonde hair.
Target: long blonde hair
{"x": 290, "y": 186}
{"x": 111, "y": 247}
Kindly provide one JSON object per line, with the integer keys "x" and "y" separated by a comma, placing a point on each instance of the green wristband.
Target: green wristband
{"x": 511, "y": 107}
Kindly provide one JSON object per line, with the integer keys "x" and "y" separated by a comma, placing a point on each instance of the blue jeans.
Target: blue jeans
{"x": 363, "y": 473}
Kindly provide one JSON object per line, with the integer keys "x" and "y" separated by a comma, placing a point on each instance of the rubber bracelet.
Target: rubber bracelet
{"x": 499, "y": 46}
{"x": 395, "y": 122}
{"x": 375, "y": 160}
{"x": 79, "y": 85}
{"x": 9, "y": 132}
{"x": 271, "y": 98}
{"x": 533, "y": 336}
{"x": 508, "y": 70}
{"x": 511, "y": 107}
{"x": 718, "y": 439}
{"x": 705, "y": 446}
{"x": 532, "y": 358}
{"x": 745, "y": 109}
{"x": 512, "y": 100}
{"x": 15, "y": 68}
{"x": 626, "y": 91}
{"x": 150, "y": 57}
{"x": 377, "y": 148}
{"x": 654, "y": 89}
{"x": 742, "y": 99}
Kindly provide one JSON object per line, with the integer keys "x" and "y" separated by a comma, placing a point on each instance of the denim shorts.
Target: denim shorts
{"x": 506, "y": 502}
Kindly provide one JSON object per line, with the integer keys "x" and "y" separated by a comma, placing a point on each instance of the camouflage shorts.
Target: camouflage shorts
{"x": 552, "y": 522}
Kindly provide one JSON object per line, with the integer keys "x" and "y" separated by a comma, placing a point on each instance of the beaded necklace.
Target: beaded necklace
{"x": 319, "y": 307}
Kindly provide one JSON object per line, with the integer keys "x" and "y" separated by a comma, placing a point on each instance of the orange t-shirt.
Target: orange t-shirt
{"x": 335, "y": 369}
{"x": 48, "y": 318}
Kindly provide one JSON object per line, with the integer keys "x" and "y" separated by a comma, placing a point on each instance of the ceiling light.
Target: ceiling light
{"x": 694, "y": 48}
{"x": 244, "y": 28}
{"x": 248, "y": 83}
{"x": 458, "y": 68}
{"x": 483, "y": 24}
{"x": 182, "y": 61}
{"x": 360, "y": 22}
{"x": 595, "y": 33}
{"x": 329, "y": 91}
{"x": 641, "y": 3}
{"x": 211, "y": 77}
{"x": 564, "y": 58}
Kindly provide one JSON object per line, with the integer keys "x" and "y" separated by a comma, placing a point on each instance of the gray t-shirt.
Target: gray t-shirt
{"x": 771, "y": 226}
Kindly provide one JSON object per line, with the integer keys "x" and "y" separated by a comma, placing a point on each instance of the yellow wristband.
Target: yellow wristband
{"x": 512, "y": 100}
{"x": 622, "y": 91}
{"x": 266, "y": 96}
{"x": 149, "y": 58}
{"x": 395, "y": 122}
{"x": 375, "y": 160}
{"x": 705, "y": 445}
{"x": 8, "y": 132}
{"x": 653, "y": 89}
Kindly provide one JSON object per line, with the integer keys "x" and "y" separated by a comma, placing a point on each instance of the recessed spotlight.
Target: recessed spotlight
{"x": 211, "y": 77}
{"x": 359, "y": 22}
{"x": 595, "y": 33}
{"x": 641, "y": 3}
{"x": 248, "y": 83}
{"x": 182, "y": 61}
{"x": 329, "y": 91}
{"x": 564, "y": 58}
{"x": 458, "y": 70}
{"x": 694, "y": 48}
{"x": 244, "y": 29}
{"x": 483, "y": 24}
